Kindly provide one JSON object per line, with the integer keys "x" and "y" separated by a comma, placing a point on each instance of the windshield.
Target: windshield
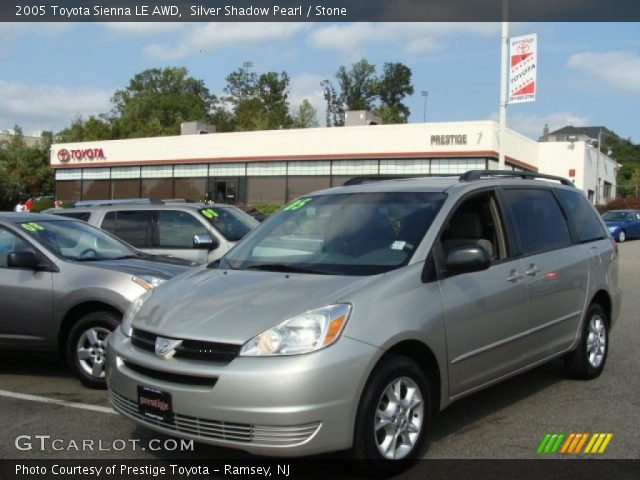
{"x": 231, "y": 222}
{"x": 616, "y": 216}
{"x": 77, "y": 240}
{"x": 342, "y": 234}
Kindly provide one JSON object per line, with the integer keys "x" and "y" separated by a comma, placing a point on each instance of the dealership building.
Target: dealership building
{"x": 276, "y": 166}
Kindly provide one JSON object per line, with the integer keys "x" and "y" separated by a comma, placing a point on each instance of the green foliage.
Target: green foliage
{"x": 93, "y": 128}
{"x": 306, "y": 116}
{"x": 626, "y": 203}
{"x": 267, "y": 208}
{"x": 24, "y": 171}
{"x": 260, "y": 102}
{"x": 359, "y": 88}
{"x": 41, "y": 204}
{"x": 157, "y": 101}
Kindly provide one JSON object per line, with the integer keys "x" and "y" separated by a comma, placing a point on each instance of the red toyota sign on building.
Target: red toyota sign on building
{"x": 80, "y": 155}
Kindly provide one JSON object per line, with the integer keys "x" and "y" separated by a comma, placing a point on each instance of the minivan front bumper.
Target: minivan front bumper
{"x": 278, "y": 406}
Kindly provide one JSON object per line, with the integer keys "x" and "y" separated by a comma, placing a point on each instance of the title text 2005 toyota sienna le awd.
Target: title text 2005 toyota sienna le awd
{"x": 353, "y": 314}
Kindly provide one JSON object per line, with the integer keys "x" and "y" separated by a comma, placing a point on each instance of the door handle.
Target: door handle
{"x": 532, "y": 271}
{"x": 514, "y": 276}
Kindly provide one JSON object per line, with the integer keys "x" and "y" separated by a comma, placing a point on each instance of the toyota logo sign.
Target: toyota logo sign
{"x": 80, "y": 154}
{"x": 64, "y": 155}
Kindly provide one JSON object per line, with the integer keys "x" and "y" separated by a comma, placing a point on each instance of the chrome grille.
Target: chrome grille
{"x": 224, "y": 431}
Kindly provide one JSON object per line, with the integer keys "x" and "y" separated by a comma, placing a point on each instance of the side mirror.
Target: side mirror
{"x": 467, "y": 258}
{"x": 205, "y": 241}
{"x": 25, "y": 259}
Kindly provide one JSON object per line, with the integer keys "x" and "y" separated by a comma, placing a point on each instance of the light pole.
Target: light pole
{"x": 425, "y": 94}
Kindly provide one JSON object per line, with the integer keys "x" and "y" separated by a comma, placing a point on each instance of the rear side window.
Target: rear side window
{"x": 538, "y": 220}
{"x": 84, "y": 216}
{"x": 134, "y": 227}
{"x": 176, "y": 229}
{"x": 584, "y": 218}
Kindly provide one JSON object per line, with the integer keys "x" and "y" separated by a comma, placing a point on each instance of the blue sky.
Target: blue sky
{"x": 588, "y": 73}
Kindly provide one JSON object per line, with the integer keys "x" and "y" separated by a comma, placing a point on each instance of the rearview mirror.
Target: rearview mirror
{"x": 205, "y": 241}
{"x": 467, "y": 258}
{"x": 24, "y": 259}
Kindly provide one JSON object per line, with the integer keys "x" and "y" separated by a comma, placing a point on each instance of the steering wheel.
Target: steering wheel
{"x": 87, "y": 251}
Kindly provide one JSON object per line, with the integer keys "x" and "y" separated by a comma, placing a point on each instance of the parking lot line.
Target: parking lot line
{"x": 55, "y": 401}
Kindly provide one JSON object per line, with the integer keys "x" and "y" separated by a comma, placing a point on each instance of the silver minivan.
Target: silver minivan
{"x": 197, "y": 232}
{"x": 352, "y": 315}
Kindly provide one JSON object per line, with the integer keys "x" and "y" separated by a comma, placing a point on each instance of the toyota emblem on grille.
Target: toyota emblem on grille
{"x": 166, "y": 347}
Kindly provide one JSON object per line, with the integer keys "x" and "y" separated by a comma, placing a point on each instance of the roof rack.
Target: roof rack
{"x": 121, "y": 201}
{"x": 363, "y": 180}
{"x": 473, "y": 175}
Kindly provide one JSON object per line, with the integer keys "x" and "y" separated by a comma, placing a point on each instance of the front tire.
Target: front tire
{"x": 87, "y": 344}
{"x": 393, "y": 416}
{"x": 622, "y": 236}
{"x": 587, "y": 361}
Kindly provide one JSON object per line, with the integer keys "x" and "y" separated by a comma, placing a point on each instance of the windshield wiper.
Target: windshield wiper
{"x": 281, "y": 267}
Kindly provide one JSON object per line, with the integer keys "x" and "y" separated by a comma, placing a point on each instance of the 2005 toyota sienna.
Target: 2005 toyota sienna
{"x": 352, "y": 315}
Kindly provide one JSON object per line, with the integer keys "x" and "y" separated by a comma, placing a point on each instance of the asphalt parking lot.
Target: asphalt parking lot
{"x": 506, "y": 421}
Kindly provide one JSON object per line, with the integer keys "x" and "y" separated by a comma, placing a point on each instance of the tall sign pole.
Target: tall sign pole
{"x": 503, "y": 83}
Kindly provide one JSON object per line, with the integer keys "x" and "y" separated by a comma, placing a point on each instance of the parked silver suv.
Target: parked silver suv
{"x": 196, "y": 232}
{"x": 353, "y": 314}
{"x": 65, "y": 285}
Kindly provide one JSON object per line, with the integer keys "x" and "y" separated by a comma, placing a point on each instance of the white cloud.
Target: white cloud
{"x": 620, "y": 69}
{"x": 212, "y": 36}
{"x": 532, "y": 125}
{"x": 11, "y": 32}
{"x": 46, "y": 107}
{"x": 415, "y": 38}
{"x": 141, "y": 29}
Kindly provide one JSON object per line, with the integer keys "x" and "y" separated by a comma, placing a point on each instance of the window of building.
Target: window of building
{"x": 298, "y": 186}
{"x": 68, "y": 190}
{"x": 158, "y": 188}
{"x": 191, "y": 188}
{"x": 96, "y": 189}
{"x": 266, "y": 190}
{"x": 125, "y": 188}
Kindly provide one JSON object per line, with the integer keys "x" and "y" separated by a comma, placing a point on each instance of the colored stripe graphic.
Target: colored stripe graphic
{"x": 550, "y": 443}
{"x": 573, "y": 443}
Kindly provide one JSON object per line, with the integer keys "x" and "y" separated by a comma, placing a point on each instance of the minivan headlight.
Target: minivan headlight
{"x": 304, "y": 333}
{"x": 127, "y": 321}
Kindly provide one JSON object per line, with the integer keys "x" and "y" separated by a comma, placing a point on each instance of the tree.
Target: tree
{"x": 306, "y": 116}
{"x": 359, "y": 88}
{"x": 392, "y": 87}
{"x": 358, "y": 85}
{"x": 259, "y": 102}
{"x": 157, "y": 101}
{"x": 93, "y": 128}
{"x": 334, "y": 116}
{"x": 24, "y": 171}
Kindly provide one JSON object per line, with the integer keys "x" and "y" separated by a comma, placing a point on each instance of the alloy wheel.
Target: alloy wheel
{"x": 91, "y": 351}
{"x": 399, "y": 418}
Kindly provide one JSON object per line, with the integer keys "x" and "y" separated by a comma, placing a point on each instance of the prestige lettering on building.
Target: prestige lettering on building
{"x": 458, "y": 139}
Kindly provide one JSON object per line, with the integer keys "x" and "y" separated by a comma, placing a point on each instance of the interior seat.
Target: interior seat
{"x": 465, "y": 228}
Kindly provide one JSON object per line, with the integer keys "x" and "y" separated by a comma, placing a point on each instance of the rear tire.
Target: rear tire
{"x": 87, "y": 344}
{"x": 393, "y": 417}
{"x": 587, "y": 361}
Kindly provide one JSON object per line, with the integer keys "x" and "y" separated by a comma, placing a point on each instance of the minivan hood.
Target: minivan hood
{"x": 235, "y": 305}
{"x": 140, "y": 266}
